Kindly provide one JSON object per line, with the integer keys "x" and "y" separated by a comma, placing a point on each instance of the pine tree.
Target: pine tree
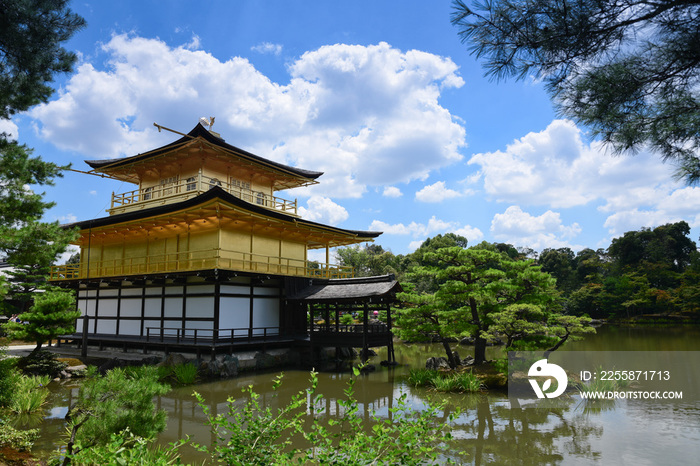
{"x": 31, "y": 34}
{"x": 628, "y": 70}
{"x": 52, "y": 314}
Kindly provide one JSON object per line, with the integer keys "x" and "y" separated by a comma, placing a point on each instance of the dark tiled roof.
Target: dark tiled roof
{"x": 201, "y": 131}
{"x": 214, "y": 193}
{"x": 348, "y": 289}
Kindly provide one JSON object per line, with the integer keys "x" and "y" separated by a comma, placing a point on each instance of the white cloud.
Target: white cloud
{"x": 436, "y": 192}
{"x": 392, "y": 191}
{"x": 267, "y": 47}
{"x": 520, "y": 228}
{"x": 473, "y": 234}
{"x": 8, "y": 127}
{"x": 364, "y": 115}
{"x": 70, "y": 250}
{"x": 681, "y": 204}
{"x": 323, "y": 210}
{"x": 68, "y": 218}
{"x": 555, "y": 168}
{"x": 194, "y": 44}
{"x": 425, "y": 230}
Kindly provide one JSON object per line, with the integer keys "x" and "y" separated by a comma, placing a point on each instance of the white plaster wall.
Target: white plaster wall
{"x": 131, "y": 308}
{"x": 108, "y": 308}
{"x": 107, "y": 326}
{"x": 152, "y": 307}
{"x": 129, "y": 327}
{"x": 235, "y": 289}
{"x": 173, "y": 307}
{"x": 200, "y": 306}
{"x": 266, "y": 313}
{"x": 234, "y": 313}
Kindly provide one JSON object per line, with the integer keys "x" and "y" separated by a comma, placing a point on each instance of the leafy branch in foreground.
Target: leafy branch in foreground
{"x": 251, "y": 434}
{"x": 109, "y": 404}
{"x": 626, "y": 69}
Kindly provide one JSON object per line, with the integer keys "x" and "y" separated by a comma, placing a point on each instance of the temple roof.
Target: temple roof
{"x": 200, "y": 131}
{"x": 348, "y": 289}
{"x": 217, "y": 193}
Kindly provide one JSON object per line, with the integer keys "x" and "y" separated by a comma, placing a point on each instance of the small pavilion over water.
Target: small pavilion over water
{"x": 361, "y": 297}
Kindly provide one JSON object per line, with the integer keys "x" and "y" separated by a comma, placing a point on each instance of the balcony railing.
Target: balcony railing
{"x": 184, "y": 189}
{"x": 199, "y": 260}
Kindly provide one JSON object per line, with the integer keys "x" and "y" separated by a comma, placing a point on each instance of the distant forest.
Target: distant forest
{"x": 646, "y": 272}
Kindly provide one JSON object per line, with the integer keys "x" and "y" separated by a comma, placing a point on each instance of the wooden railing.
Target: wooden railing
{"x": 202, "y": 336}
{"x": 352, "y": 328}
{"x": 190, "y": 187}
{"x": 199, "y": 260}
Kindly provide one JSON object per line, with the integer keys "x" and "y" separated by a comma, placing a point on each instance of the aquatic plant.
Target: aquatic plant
{"x": 462, "y": 382}
{"x": 30, "y": 394}
{"x": 185, "y": 374}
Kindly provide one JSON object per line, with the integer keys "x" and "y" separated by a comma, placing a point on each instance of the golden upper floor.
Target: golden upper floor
{"x": 196, "y": 163}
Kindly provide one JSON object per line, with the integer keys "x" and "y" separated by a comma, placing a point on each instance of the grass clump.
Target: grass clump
{"x": 185, "y": 374}
{"x": 30, "y": 394}
{"x": 459, "y": 382}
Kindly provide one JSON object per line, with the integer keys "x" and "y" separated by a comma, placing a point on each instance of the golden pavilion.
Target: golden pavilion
{"x": 203, "y": 253}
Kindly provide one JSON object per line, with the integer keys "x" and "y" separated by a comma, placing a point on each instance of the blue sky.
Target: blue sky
{"x": 379, "y": 95}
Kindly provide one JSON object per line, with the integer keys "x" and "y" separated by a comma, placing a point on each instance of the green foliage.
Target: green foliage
{"x": 408, "y": 439}
{"x": 8, "y": 378}
{"x": 52, "y": 314}
{"x": 30, "y": 394}
{"x": 125, "y": 448}
{"x": 420, "y": 377}
{"x": 109, "y": 404}
{"x": 179, "y": 374}
{"x": 347, "y": 319}
{"x": 367, "y": 261}
{"x": 17, "y": 171}
{"x": 627, "y": 70}
{"x": 41, "y": 363}
{"x": 475, "y": 286}
{"x": 251, "y": 434}
{"x": 457, "y": 382}
{"x": 31, "y": 34}
{"x": 20, "y": 440}
{"x": 666, "y": 244}
{"x": 185, "y": 374}
{"x": 255, "y": 434}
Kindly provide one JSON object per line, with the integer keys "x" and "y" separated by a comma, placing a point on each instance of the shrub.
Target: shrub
{"x": 8, "y": 380}
{"x": 41, "y": 363}
{"x": 20, "y": 440}
{"x": 125, "y": 448}
{"x": 109, "y": 404}
{"x": 251, "y": 434}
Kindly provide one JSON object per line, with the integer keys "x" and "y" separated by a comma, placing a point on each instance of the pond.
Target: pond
{"x": 490, "y": 429}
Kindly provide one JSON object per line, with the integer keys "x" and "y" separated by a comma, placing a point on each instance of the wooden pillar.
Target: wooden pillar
{"x": 251, "y": 306}
{"x": 97, "y": 306}
{"x": 119, "y": 306}
{"x": 365, "y": 325}
{"x": 83, "y": 348}
{"x": 217, "y": 309}
{"x": 391, "y": 356}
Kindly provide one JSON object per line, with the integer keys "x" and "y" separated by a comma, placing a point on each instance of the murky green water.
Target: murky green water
{"x": 490, "y": 428}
